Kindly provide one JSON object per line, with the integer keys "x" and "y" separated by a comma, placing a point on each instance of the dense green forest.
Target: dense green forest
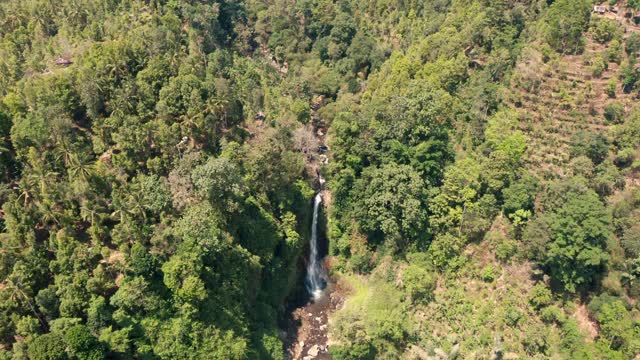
{"x": 158, "y": 161}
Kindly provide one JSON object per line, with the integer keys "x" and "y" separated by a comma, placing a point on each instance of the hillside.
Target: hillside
{"x": 477, "y": 164}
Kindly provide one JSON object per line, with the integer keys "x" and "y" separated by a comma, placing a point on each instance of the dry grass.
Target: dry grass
{"x": 559, "y": 98}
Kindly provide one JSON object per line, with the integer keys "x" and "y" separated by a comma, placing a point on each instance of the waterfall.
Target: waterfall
{"x": 315, "y": 280}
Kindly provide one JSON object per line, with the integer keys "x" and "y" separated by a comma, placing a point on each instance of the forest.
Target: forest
{"x": 159, "y": 161}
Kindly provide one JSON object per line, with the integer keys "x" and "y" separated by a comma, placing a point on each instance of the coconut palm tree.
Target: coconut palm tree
{"x": 80, "y": 167}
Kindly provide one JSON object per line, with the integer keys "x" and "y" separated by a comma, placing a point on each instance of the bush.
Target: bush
{"x": 553, "y": 314}
{"x": 512, "y": 316}
{"x": 631, "y": 241}
{"x": 611, "y": 283}
{"x": 624, "y": 158}
{"x": 614, "y": 53}
{"x": 506, "y": 249}
{"x": 540, "y": 296}
{"x": 604, "y": 30}
{"x": 612, "y": 85}
{"x": 445, "y": 251}
{"x": 592, "y": 145}
{"x": 535, "y": 341}
{"x": 488, "y": 273}
{"x": 632, "y": 44}
{"x": 418, "y": 283}
{"x": 599, "y": 66}
{"x": 301, "y": 110}
{"x": 614, "y": 112}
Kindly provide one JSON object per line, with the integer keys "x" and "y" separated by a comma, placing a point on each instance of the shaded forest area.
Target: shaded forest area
{"x": 156, "y": 185}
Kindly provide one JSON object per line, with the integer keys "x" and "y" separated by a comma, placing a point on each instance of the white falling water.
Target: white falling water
{"x": 315, "y": 281}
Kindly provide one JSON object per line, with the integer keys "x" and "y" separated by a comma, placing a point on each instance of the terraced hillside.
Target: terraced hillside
{"x": 558, "y": 96}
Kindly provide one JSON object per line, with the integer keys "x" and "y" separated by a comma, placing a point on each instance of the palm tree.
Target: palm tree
{"x": 63, "y": 152}
{"x": 87, "y": 213}
{"x": 81, "y": 167}
{"x": 219, "y": 107}
{"x": 40, "y": 179}
{"x": 16, "y": 293}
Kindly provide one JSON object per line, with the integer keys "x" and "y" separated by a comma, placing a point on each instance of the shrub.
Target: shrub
{"x": 631, "y": 241}
{"x": 614, "y": 112}
{"x": 488, "y": 273}
{"x": 301, "y": 110}
{"x": 599, "y": 66}
{"x": 592, "y": 145}
{"x": 611, "y": 283}
{"x": 632, "y": 43}
{"x": 553, "y": 314}
{"x": 445, "y": 250}
{"x": 604, "y": 30}
{"x": 612, "y": 84}
{"x": 418, "y": 283}
{"x": 614, "y": 53}
{"x": 506, "y": 249}
{"x": 625, "y": 158}
{"x": 512, "y": 316}
{"x": 535, "y": 341}
{"x": 540, "y": 296}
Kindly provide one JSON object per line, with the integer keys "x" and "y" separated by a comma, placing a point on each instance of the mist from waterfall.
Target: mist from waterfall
{"x": 315, "y": 280}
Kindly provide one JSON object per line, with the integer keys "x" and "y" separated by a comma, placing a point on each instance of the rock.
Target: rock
{"x": 323, "y": 327}
{"x": 314, "y": 350}
{"x": 318, "y": 319}
{"x": 320, "y": 132}
{"x": 301, "y": 343}
{"x": 440, "y": 354}
{"x": 455, "y": 351}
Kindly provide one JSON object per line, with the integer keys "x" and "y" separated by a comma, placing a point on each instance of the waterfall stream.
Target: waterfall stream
{"x": 315, "y": 280}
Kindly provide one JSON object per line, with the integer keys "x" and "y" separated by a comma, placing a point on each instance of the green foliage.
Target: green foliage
{"x": 520, "y": 195}
{"x": 540, "y": 296}
{"x": 604, "y": 30}
{"x": 371, "y": 326}
{"x": 569, "y": 238}
{"x": 616, "y": 325}
{"x": 146, "y": 214}
{"x": 631, "y": 241}
{"x": 393, "y": 204}
{"x": 488, "y": 273}
{"x": 632, "y": 44}
{"x": 552, "y": 314}
{"x": 445, "y": 252}
{"x": 593, "y": 146}
{"x": 612, "y": 85}
{"x": 599, "y": 65}
{"x": 48, "y": 347}
{"x": 614, "y": 113}
{"x": 614, "y": 53}
{"x": 81, "y": 344}
{"x": 626, "y": 134}
{"x": 418, "y": 283}
{"x": 565, "y": 21}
